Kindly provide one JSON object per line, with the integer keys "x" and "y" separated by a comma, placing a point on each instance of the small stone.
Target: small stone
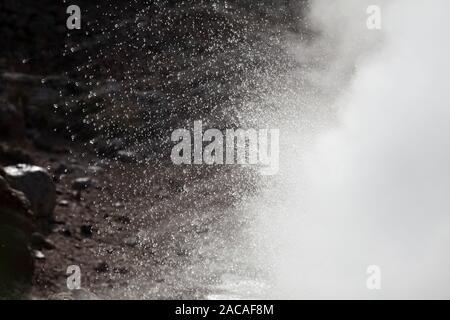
{"x": 16, "y": 260}
{"x": 121, "y": 270}
{"x": 126, "y": 156}
{"x": 63, "y": 169}
{"x": 118, "y": 205}
{"x": 109, "y": 148}
{"x": 122, "y": 219}
{"x": 81, "y": 183}
{"x": 87, "y": 230}
{"x": 102, "y": 267}
{"x": 40, "y": 242}
{"x": 63, "y": 203}
{"x": 95, "y": 169}
{"x": 76, "y": 195}
{"x": 38, "y": 255}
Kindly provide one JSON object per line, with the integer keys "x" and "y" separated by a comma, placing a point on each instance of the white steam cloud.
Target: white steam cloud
{"x": 375, "y": 188}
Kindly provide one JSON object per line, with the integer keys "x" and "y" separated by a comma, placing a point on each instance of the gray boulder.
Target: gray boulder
{"x": 15, "y": 208}
{"x": 38, "y": 187}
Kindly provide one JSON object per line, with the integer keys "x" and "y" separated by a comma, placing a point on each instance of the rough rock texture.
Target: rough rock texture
{"x": 37, "y": 186}
{"x": 16, "y": 262}
{"x": 15, "y": 208}
{"x": 16, "y": 226}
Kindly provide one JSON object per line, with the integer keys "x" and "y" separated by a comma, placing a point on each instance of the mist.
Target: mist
{"x": 369, "y": 183}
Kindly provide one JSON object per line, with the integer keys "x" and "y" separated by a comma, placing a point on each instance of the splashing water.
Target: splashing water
{"x": 370, "y": 187}
{"x": 364, "y": 166}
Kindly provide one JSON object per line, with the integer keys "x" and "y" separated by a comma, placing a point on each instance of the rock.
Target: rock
{"x": 110, "y": 147}
{"x": 38, "y": 255}
{"x": 121, "y": 270}
{"x": 101, "y": 267}
{"x": 122, "y": 219}
{"x": 16, "y": 262}
{"x": 38, "y": 241}
{"x": 38, "y": 187}
{"x": 63, "y": 169}
{"x": 126, "y": 156}
{"x": 95, "y": 169}
{"x": 12, "y": 123}
{"x": 65, "y": 232}
{"x": 87, "y": 230}
{"x": 16, "y": 226}
{"x": 149, "y": 96}
{"x": 63, "y": 203}
{"x": 118, "y": 204}
{"x": 81, "y": 183}
{"x": 15, "y": 209}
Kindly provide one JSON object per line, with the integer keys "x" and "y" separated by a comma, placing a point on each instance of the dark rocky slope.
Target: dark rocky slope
{"x": 94, "y": 108}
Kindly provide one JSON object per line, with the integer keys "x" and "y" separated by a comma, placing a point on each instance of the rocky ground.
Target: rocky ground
{"x": 117, "y": 221}
{"x": 86, "y": 178}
